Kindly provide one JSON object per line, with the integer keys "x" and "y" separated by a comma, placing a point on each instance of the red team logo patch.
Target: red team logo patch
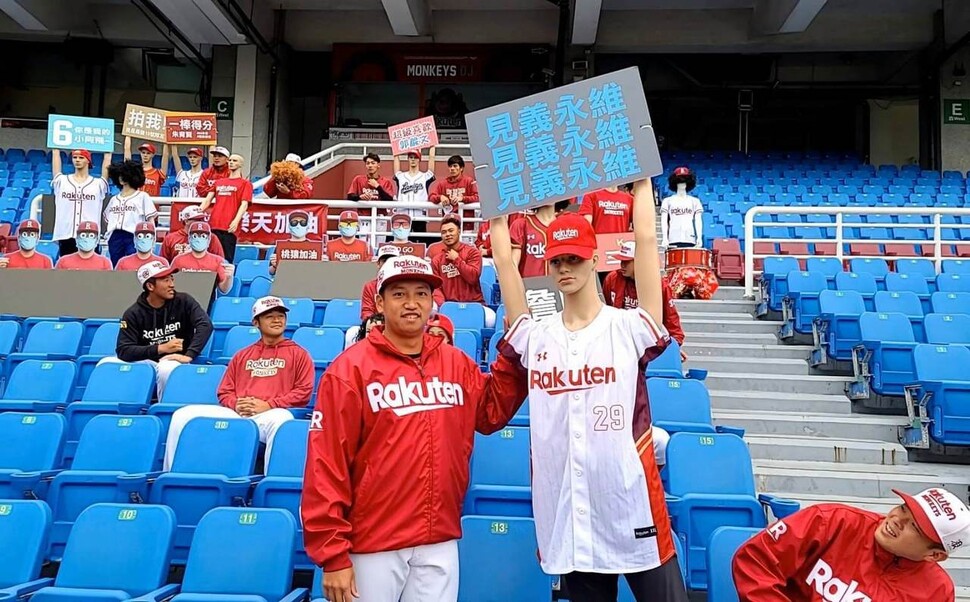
{"x": 404, "y": 398}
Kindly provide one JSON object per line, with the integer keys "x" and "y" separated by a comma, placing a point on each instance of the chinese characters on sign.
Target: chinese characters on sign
{"x": 147, "y": 123}
{"x": 170, "y": 127}
{"x": 299, "y": 251}
{"x": 563, "y": 143}
{"x": 412, "y": 135}
{"x": 70, "y": 131}
{"x": 267, "y": 223}
{"x": 543, "y": 298}
{"x": 607, "y": 246}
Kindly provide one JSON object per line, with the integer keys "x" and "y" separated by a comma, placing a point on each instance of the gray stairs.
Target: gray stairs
{"x": 805, "y": 443}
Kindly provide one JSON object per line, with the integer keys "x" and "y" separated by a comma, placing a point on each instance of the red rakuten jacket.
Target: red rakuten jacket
{"x": 460, "y": 276}
{"x": 828, "y": 553}
{"x": 390, "y": 439}
{"x": 621, "y": 292}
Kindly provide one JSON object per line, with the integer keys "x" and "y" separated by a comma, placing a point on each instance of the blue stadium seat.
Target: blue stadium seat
{"x": 711, "y": 485}
{"x": 493, "y": 345}
{"x": 115, "y": 457}
{"x": 115, "y": 552}
{"x": 187, "y": 384}
{"x": 501, "y": 479}
{"x": 774, "y": 282}
{"x": 950, "y": 303}
{"x": 49, "y": 341}
{"x": 24, "y": 525}
{"x": 301, "y": 312}
{"x": 720, "y": 555}
{"x": 500, "y": 545}
{"x": 941, "y": 399}
{"x": 468, "y": 341}
{"x": 949, "y": 282}
{"x": 246, "y": 253}
{"x": 342, "y": 313}
{"x": 947, "y": 329}
{"x": 114, "y": 388}
{"x": 323, "y": 344}
{"x": 877, "y": 267}
{"x": 32, "y": 443}
{"x": 836, "y": 330}
{"x": 680, "y": 405}
{"x": 37, "y": 386}
{"x": 238, "y": 338}
{"x": 864, "y": 284}
{"x": 260, "y": 567}
{"x": 885, "y": 355}
{"x": 800, "y": 305}
{"x": 9, "y": 342}
{"x": 259, "y": 287}
{"x": 466, "y": 316}
{"x": 213, "y": 465}
{"x": 283, "y": 484}
{"x": 103, "y": 345}
{"x": 906, "y": 303}
{"x": 668, "y": 364}
{"x": 828, "y": 266}
{"x": 956, "y": 266}
{"x": 228, "y": 312}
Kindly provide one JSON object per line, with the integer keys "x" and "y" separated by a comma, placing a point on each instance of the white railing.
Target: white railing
{"x": 937, "y": 227}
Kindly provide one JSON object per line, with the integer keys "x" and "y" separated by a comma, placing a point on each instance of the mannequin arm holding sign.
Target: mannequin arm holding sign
{"x": 509, "y": 279}
{"x": 647, "y": 256}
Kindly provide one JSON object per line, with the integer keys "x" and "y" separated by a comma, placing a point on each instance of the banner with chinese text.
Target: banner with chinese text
{"x": 412, "y": 135}
{"x": 268, "y": 222}
{"x": 607, "y": 246}
{"x": 169, "y": 127}
{"x": 72, "y": 131}
{"x": 543, "y": 298}
{"x": 563, "y": 143}
{"x": 306, "y": 250}
{"x": 146, "y": 123}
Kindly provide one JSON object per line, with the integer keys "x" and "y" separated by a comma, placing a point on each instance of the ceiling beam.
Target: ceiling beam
{"x": 586, "y": 21}
{"x": 772, "y": 17}
{"x": 22, "y": 15}
{"x": 408, "y": 17}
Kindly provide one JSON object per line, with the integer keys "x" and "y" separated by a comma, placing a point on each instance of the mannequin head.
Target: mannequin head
{"x": 682, "y": 175}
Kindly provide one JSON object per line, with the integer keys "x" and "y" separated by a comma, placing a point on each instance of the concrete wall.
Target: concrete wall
{"x": 893, "y": 132}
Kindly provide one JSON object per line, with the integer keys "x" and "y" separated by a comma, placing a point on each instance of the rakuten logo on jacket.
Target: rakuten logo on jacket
{"x": 833, "y": 589}
{"x": 404, "y": 397}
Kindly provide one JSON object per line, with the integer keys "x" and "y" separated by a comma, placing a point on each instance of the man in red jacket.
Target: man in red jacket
{"x": 837, "y": 553}
{"x": 388, "y": 451}
{"x": 459, "y": 265}
{"x": 620, "y": 290}
{"x": 261, "y": 382}
{"x": 218, "y": 169}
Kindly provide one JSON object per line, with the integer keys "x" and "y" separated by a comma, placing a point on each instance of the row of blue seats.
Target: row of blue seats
{"x": 803, "y": 187}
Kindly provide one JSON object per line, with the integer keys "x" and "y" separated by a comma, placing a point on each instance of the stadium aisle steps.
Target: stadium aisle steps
{"x": 805, "y": 442}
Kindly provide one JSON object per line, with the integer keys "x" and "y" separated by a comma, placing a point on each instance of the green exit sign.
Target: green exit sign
{"x": 956, "y": 111}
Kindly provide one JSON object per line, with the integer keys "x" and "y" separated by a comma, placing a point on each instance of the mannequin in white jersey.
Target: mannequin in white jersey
{"x": 413, "y": 186}
{"x": 598, "y": 502}
{"x": 187, "y": 179}
{"x": 681, "y": 214}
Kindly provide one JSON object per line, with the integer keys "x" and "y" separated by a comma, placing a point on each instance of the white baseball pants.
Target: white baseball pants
{"x": 268, "y": 423}
{"x": 163, "y": 370}
{"x": 418, "y": 574}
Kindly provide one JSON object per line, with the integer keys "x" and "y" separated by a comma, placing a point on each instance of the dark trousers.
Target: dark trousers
{"x": 662, "y": 584}
{"x": 66, "y": 247}
{"x": 120, "y": 244}
{"x": 228, "y": 240}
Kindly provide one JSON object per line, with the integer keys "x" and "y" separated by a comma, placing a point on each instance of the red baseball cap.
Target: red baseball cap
{"x": 197, "y": 227}
{"x": 29, "y": 224}
{"x": 627, "y": 251}
{"x": 682, "y": 171}
{"x": 414, "y": 154}
{"x": 298, "y": 213}
{"x": 145, "y": 227}
{"x": 349, "y": 216}
{"x": 444, "y": 322}
{"x": 88, "y": 227}
{"x": 400, "y": 217}
{"x": 570, "y": 234}
{"x": 83, "y": 152}
{"x": 148, "y": 146}
{"x": 406, "y": 267}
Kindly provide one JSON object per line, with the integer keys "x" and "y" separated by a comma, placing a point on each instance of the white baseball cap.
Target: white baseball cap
{"x": 264, "y": 304}
{"x": 294, "y": 158}
{"x": 190, "y": 213}
{"x": 388, "y": 251}
{"x": 627, "y": 251}
{"x": 220, "y": 150}
{"x": 941, "y": 516}
{"x": 154, "y": 269}
{"x": 406, "y": 267}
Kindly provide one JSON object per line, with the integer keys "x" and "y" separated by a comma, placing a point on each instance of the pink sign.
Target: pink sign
{"x": 413, "y": 135}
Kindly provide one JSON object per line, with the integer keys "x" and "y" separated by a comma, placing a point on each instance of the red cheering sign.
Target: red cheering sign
{"x": 190, "y": 128}
{"x": 607, "y": 246}
{"x": 413, "y": 135}
{"x": 268, "y": 222}
{"x": 418, "y": 249}
{"x": 307, "y": 250}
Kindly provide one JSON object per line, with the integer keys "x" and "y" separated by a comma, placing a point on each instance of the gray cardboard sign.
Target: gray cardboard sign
{"x": 563, "y": 143}
{"x": 543, "y": 298}
{"x": 83, "y": 293}
{"x": 323, "y": 280}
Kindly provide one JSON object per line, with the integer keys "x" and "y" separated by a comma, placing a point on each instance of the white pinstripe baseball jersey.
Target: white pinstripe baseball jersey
{"x": 596, "y": 491}
{"x": 75, "y": 203}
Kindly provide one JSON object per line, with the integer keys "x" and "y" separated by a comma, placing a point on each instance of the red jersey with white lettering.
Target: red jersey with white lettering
{"x": 131, "y": 263}
{"x": 828, "y": 553}
{"x": 74, "y": 261}
{"x": 621, "y": 293}
{"x": 207, "y": 181}
{"x": 460, "y": 276}
{"x": 230, "y": 194}
{"x": 338, "y": 250}
{"x": 611, "y": 211}
{"x": 37, "y": 261}
{"x": 187, "y": 262}
{"x": 176, "y": 243}
{"x": 154, "y": 180}
{"x": 529, "y": 234}
{"x": 598, "y": 501}
{"x": 281, "y": 375}
{"x": 389, "y": 444}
